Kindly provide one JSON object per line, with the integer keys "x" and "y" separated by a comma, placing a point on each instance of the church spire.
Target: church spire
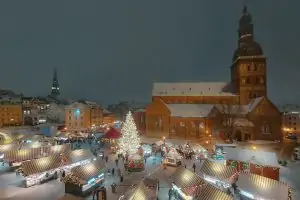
{"x": 55, "y": 86}
{"x": 245, "y": 25}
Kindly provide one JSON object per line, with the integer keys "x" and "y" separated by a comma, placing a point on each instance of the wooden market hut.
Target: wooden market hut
{"x": 257, "y": 162}
{"x": 189, "y": 184}
{"x": 140, "y": 192}
{"x": 259, "y": 187}
{"x": 21, "y": 155}
{"x": 82, "y": 180}
{"x": 216, "y": 172}
{"x": 34, "y": 169}
{"x": 209, "y": 192}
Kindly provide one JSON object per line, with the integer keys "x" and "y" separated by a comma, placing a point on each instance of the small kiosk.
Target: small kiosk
{"x": 173, "y": 158}
{"x": 82, "y": 180}
{"x": 186, "y": 184}
{"x": 40, "y": 170}
{"x": 140, "y": 192}
{"x": 147, "y": 150}
{"x": 199, "y": 151}
{"x": 135, "y": 163}
{"x": 217, "y": 173}
{"x": 15, "y": 157}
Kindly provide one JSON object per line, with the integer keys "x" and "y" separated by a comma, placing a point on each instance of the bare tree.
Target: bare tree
{"x": 229, "y": 116}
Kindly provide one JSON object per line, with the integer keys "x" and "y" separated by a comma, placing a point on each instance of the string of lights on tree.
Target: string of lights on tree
{"x": 130, "y": 140}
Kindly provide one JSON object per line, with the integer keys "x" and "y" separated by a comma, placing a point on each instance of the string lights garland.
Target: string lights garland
{"x": 130, "y": 140}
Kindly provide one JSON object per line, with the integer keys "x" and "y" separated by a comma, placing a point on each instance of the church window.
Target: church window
{"x": 193, "y": 125}
{"x": 249, "y": 95}
{"x": 248, "y": 81}
{"x": 249, "y": 67}
{"x": 261, "y": 80}
{"x": 257, "y": 80}
{"x": 201, "y": 125}
{"x": 182, "y": 124}
{"x": 243, "y": 80}
{"x": 265, "y": 129}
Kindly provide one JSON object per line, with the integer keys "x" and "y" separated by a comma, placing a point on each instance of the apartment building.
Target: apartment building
{"x": 81, "y": 116}
{"x": 11, "y": 114}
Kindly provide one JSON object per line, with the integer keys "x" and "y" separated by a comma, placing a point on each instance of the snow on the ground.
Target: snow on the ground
{"x": 262, "y": 142}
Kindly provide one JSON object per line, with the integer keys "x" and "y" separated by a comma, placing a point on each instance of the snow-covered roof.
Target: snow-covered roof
{"x": 239, "y": 109}
{"x": 262, "y": 187}
{"x": 193, "y": 89}
{"x": 243, "y": 123}
{"x": 249, "y": 156}
{"x": 189, "y": 110}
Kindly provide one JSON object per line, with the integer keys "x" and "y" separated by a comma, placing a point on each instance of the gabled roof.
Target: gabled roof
{"x": 262, "y": 187}
{"x": 190, "y": 110}
{"x": 217, "y": 169}
{"x": 193, "y": 89}
{"x": 209, "y": 192}
{"x": 141, "y": 192}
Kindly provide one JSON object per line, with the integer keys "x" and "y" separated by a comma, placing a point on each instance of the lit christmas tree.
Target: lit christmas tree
{"x": 130, "y": 140}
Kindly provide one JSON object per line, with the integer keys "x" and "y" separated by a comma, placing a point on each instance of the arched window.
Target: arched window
{"x": 248, "y": 81}
{"x": 265, "y": 129}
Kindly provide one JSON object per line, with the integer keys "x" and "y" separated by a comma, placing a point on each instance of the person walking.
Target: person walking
{"x": 106, "y": 158}
{"x": 117, "y": 161}
{"x": 194, "y": 167}
{"x": 113, "y": 171}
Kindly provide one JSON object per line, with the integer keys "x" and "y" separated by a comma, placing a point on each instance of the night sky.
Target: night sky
{"x": 111, "y": 50}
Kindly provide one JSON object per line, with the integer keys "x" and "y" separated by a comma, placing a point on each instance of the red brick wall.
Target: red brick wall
{"x": 140, "y": 121}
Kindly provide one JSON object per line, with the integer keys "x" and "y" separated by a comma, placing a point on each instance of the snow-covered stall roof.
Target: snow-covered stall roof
{"x": 193, "y": 89}
{"x": 249, "y": 156}
{"x": 174, "y": 154}
{"x": 262, "y": 187}
{"x": 190, "y": 110}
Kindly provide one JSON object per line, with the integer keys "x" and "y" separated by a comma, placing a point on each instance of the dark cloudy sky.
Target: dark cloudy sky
{"x": 110, "y": 50}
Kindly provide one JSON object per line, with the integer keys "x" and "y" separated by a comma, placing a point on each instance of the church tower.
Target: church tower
{"x": 248, "y": 69}
{"x": 55, "y": 86}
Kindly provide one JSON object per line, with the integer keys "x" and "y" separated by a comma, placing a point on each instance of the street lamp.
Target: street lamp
{"x": 210, "y": 139}
{"x": 164, "y": 139}
{"x": 254, "y": 147}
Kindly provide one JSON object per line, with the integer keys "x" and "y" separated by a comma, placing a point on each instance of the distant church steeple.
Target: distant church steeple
{"x": 55, "y": 86}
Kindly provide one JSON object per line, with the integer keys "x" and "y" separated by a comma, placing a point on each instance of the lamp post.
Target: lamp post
{"x": 210, "y": 138}
{"x": 164, "y": 140}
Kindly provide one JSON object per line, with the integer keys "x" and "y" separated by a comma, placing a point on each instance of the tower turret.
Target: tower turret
{"x": 55, "y": 85}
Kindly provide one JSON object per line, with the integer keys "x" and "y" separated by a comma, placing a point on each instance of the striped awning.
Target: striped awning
{"x": 209, "y": 192}
{"x": 88, "y": 171}
{"x": 41, "y": 165}
{"x": 8, "y": 147}
{"x": 187, "y": 180}
{"x": 262, "y": 187}
{"x": 217, "y": 169}
{"x": 141, "y": 192}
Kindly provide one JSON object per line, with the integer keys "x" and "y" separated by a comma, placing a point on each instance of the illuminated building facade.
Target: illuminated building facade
{"x": 186, "y": 110}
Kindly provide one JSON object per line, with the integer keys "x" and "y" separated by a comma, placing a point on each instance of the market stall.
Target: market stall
{"x": 135, "y": 163}
{"x": 217, "y": 173}
{"x": 209, "y": 192}
{"x": 253, "y": 186}
{"x": 186, "y": 184}
{"x": 6, "y": 148}
{"x": 172, "y": 158}
{"x": 15, "y": 157}
{"x": 83, "y": 179}
{"x": 199, "y": 151}
{"x": 147, "y": 150}
{"x": 111, "y": 136}
{"x": 140, "y": 192}
{"x": 40, "y": 170}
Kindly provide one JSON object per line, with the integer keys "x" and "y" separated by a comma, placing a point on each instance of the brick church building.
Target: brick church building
{"x": 239, "y": 109}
